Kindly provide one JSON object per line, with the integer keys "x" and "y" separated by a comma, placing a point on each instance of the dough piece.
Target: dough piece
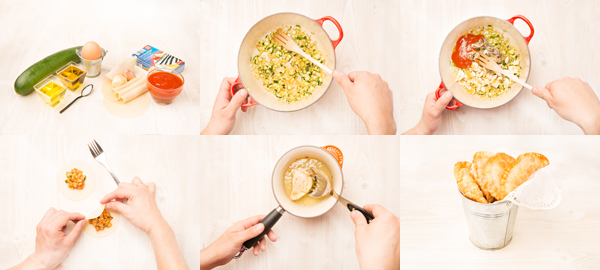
{"x": 89, "y": 229}
{"x": 492, "y": 174}
{"x": 520, "y": 170}
{"x": 479, "y": 160}
{"x": 76, "y": 194}
{"x": 466, "y": 183}
{"x": 301, "y": 183}
{"x": 132, "y": 109}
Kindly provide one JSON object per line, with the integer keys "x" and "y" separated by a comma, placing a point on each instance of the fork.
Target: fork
{"x": 288, "y": 43}
{"x": 98, "y": 154}
{"x": 490, "y": 64}
{"x": 321, "y": 187}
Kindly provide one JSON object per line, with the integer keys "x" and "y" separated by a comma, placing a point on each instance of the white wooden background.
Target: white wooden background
{"x": 237, "y": 184}
{"x": 28, "y": 168}
{"x": 434, "y": 232}
{"x": 204, "y": 185}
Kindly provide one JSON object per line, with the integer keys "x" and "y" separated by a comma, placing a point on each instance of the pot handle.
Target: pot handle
{"x": 512, "y": 21}
{"x": 269, "y": 221}
{"x": 250, "y": 102}
{"x": 437, "y": 96}
{"x": 336, "y": 153}
{"x": 337, "y": 24}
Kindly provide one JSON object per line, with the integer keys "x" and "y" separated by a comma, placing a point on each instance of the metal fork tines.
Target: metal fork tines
{"x": 98, "y": 154}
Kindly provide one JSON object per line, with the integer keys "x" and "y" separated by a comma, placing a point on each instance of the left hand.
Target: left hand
{"x": 228, "y": 245}
{"x": 51, "y": 244}
{"x": 222, "y": 119}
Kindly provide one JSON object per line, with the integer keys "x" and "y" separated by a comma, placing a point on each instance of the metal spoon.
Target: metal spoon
{"x": 322, "y": 187}
{"x": 84, "y": 93}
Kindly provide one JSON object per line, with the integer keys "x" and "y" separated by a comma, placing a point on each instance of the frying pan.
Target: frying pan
{"x": 516, "y": 40}
{"x": 258, "y": 93}
{"x": 332, "y": 158}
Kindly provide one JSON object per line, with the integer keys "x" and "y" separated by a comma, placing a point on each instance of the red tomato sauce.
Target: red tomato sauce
{"x": 164, "y": 86}
{"x": 463, "y": 47}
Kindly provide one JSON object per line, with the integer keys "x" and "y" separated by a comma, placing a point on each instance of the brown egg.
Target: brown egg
{"x": 91, "y": 51}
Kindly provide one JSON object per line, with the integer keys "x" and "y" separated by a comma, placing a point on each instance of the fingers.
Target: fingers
{"x": 343, "y": 80}
{"x": 443, "y": 101}
{"x": 224, "y": 89}
{"x": 116, "y": 206}
{"x": 376, "y": 209}
{"x": 542, "y": 93}
{"x": 251, "y": 221}
{"x": 237, "y": 101}
{"x": 355, "y": 74}
{"x": 358, "y": 219}
{"x": 136, "y": 181}
{"x": 272, "y": 236}
{"x": 48, "y": 213}
{"x": 152, "y": 187}
{"x": 123, "y": 192}
{"x": 250, "y": 233}
{"x": 75, "y": 232}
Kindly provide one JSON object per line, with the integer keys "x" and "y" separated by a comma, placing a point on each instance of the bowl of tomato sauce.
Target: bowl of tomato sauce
{"x": 164, "y": 84}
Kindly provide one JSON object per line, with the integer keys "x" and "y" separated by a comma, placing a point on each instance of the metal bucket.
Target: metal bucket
{"x": 93, "y": 67}
{"x": 490, "y": 225}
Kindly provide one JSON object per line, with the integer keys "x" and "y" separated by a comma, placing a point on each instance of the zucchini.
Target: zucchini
{"x": 44, "y": 68}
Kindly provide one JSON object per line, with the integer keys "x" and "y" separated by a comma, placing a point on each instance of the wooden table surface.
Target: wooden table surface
{"x": 240, "y": 171}
{"x": 398, "y": 39}
{"x": 204, "y": 185}
{"x": 434, "y": 231}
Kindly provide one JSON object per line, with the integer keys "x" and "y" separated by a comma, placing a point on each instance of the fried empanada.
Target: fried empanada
{"x": 479, "y": 160}
{"x": 301, "y": 183}
{"x": 520, "y": 170}
{"x": 492, "y": 174}
{"x": 466, "y": 183}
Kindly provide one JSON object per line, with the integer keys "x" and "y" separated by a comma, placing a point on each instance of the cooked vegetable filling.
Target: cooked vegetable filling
{"x": 75, "y": 179}
{"x": 478, "y": 80}
{"x": 101, "y": 222}
{"x": 286, "y": 74}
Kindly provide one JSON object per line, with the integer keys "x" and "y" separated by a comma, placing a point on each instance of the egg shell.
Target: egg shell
{"x": 91, "y": 51}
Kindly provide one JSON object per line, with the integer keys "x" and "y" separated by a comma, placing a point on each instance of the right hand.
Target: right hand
{"x": 378, "y": 242}
{"x": 141, "y": 209}
{"x": 371, "y": 99}
{"x": 431, "y": 119}
{"x": 222, "y": 118}
{"x": 228, "y": 245}
{"x": 574, "y": 100}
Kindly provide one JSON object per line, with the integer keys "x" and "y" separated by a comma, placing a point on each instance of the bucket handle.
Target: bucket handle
{"x": 437, "y": 96}
{"x": 337, "y": 24}
{"x": 512, "y": 21}
{"x": 250, "y": 102}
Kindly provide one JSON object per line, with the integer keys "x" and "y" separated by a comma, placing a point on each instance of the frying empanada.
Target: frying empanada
{"x": 466, "y": 183}
{"x": 479, "y": 160}
{"x": 492, "y": 174}
{"x": 520, "y": 170}
{"x": 301, "y": 183}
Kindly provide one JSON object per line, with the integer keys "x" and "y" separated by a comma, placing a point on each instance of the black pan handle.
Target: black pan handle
{"x": 351, "y": 206}
{"x": 269, "y": 221}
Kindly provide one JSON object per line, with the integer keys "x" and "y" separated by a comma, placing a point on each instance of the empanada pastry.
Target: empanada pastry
{"x": 479, "y": 160}
{"x": 466, "y": 183}
{"x": 492, "y": 174}
{"x": 301, "y": 183}
{"x": 520, "y": 170}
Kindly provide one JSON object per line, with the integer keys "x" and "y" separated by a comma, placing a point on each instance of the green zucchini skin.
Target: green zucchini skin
{"x": 44, "y": 68}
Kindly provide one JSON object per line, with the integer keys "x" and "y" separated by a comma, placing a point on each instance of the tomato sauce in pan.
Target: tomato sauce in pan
{"x": 462, "y": 48}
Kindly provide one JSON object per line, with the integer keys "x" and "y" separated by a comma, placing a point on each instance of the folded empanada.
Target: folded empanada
{"x": 466, "y": 183}
{"x": 492, "y": 174}
{"x": 479, "y": 160}
{"x": 301, "y": 183}
{"x": 520, "y": 170}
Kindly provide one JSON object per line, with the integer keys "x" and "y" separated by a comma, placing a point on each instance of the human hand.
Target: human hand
{"x": 573, "y": 100}
{"x": 371, "y": 99}
{"x": 141, "y": 209}
{"x": 52, "y": 245}
{"x": 222, "y": 119}
{"x": 378, "y": 242}
{"x": 431, "y": 119}
{"x": 229, "y": 243}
